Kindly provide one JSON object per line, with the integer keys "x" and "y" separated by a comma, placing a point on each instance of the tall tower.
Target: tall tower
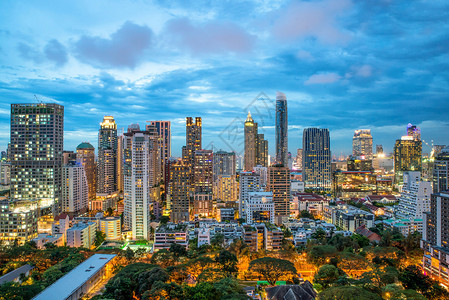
{"x": 256, "y": 147}
{"x": 281, "y": 129}
{"x": 316, "y": 158}
{"x": 180, "y": 192}
{"x": 193, "y": 140}
{"x": 137, "y": 202}
{"x": 362, "y": 143}
{"x": 120, "y": 178}
{"x": 441, "y": 172}
{"x": 37, "y": 138}
{"x": 74, "y": 189}
{"x": 407, "y": 156}
{"x": 107, "y": 156}
{"x": 85, "y": 155}
{"x": 224, "y": 163}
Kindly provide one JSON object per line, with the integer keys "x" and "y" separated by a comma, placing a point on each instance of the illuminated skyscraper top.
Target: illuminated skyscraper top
{"x": 414, "y": 131}
{"x": 281, "y": 129}
{"x": 362, "y": 143}
{"x": 107, "y": 156}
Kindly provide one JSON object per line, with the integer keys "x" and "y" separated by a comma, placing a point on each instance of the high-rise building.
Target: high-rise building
{"x": 435, "y": 239}
{"x": 155, "y": 155}
{"x": 137, "y": 202}
{"x": 85, "y": 155}
{"x": 107, "y": 156}
{"x": 74, "y": 189}
{"x": 256, "y": 147}
{"x": 362, "y": 143}
{"x": 407, "y": 157}
{"x": 226, "y": 188}
{"x": 224, "y": 163}
{"x": 120, "y": 162}
{"x": 281, "y": 129}
{"x": 163, "y": 129}
{"x": 279, "y": 184}
{"x": 248, "y": 182}
{"x": 37, "y": 138}
{"x": 415, "y": 197}
{"x": 193, "y": 140}
{"x": 180, "y": 192}
{"x": 5, "y": 173}
{"x": 316, "y": 158}
{"x": 414, "y": 131}
{"x": 203, "y": 171}
{"x": 68, "y": 157}
{"x": 17, "y": 224}
{"x": 260, "y": 208}
{"x": 263, "y": 173}
{"x": 441, "y": 171}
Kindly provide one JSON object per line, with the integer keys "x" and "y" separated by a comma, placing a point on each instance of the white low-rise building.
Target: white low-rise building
{"x": 259, "y": 207}
{"x": 111, "y": 227}
{"x": 81, "y": 235}
{"x": 203, "y": 236}
{"x": 415, "y": 197}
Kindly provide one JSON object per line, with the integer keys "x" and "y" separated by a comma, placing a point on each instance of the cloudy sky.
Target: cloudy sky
{"x": 343, "y": 65}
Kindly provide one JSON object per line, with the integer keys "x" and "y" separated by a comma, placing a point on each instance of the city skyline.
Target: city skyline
{"x": 343, "y": 72}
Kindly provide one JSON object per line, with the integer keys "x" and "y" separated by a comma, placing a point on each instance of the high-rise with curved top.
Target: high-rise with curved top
{"x": 281, "y": 129}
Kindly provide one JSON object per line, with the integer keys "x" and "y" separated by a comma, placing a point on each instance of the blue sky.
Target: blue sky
{"x": 343, "y": 64}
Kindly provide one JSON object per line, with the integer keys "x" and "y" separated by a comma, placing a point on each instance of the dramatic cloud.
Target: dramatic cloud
{"x": 124, "y": 48}
{"x": 211, "y": 37}
{"x": 56, "y": 52}
{"x": 322, "y": 78}
{"x": 312, "y": 19}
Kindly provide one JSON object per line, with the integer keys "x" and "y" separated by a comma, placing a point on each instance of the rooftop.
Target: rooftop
{"x": 15, "y": 274}
{"x": 69, "y": 283}
{"x": 85, "y": 145}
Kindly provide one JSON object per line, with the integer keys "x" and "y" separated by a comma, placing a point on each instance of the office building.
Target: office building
{"x": 441, "y": 171}
{"x": 180, "y": 192}
{"x": 111, "y": 227}
{"x": 203, "y": 171}
{"x": 18, "y": 224}
{"x": 193, "y": 141}
{"x": 163, "y": 129}
{"x": 82, "y": 234}
{"x": 279, "y": 184}
{"x": 202, "y": 206}
{"x": 263, "y": 173}
{"x": 85, "y": 155}
{"x": 248, "y": 182}
{"x": 5, "y": 173}
{"x": 281, "y": 129}
{"x": 156, "y": 167}
{"x": 435, "y": 239}
{"x": 256, "y": 147}
{"x": 348, "y": 217}
{"x": 407, "y": 157}
{"x": 68, "y": 157}
{"x": 37, "y": 138}
{"x": 260, "y": 208}
{"x": 224, "y": 163}
{"x": 137, "y": 182}
{"x": 107, "y": 156}
{"x": 316, "y": 159}
{"x": 362, "y": 144}
{"x": 75, "y": 189}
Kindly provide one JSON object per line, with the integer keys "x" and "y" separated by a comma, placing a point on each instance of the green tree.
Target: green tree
{"x": 164, "y": 220}
{"x": 129, "y": 254}
{"x": 347, "y": 293}
{"x": 99, "y": 238}
{"x": 412, "y": 278}
{"x": 228, "y": 262}
{"x": 177, "y": 250}
{"x": 318, "y": 254}
{"x": 326, "y": 275}
{"x": 305, "y": 214}
{"x": 272, "y": 269}
{"x": 319, "y": 235}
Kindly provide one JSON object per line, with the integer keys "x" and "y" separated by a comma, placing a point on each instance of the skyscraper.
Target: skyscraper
{"x": 362, "y": 143}
{"x": 163, "y": 129}
{"x": 120, "y": 162}
{"x": 137, "y": 202}
{"x": 224, "y": 163}
{"x": 256, "y": 148}
{"x": 180, "y": 192}
{"x": 379, "y": 149}
{"x": 37, "y": 137}
{"x": 407, "y": 156}
{"x": 279, "y": 184}
{"x": 299, "y": 159}
{"x": 281, "y": 129}
{"x": 107, "y": 156}
{"x": 441, "y": 171}
{"x": 193, "y": 140}
{"x": 316, "y": 158}
{"x": 85, "y": 155}
{"x": 249, "y": 182}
